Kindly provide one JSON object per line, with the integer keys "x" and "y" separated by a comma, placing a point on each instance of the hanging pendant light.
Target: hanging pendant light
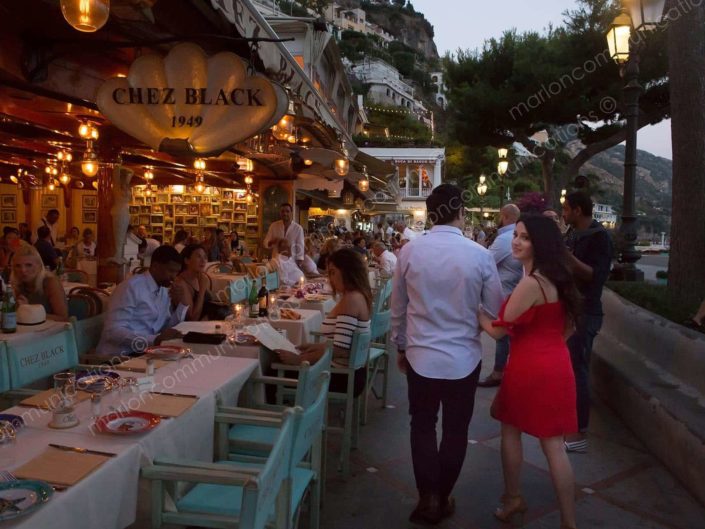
{"x": 86, "y": 15}
{"x": 89, "y": 165}
{"x": 364, "y": 183}
{"x": 65, "y": 178}
{"x": 95, "y": 184}
{"x": 284, "y": 128}
{"x": 342, "y": 166}
{"x": 52, "y": 184}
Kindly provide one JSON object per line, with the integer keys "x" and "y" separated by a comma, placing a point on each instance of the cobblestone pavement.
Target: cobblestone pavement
{"x": 620, "y": 485}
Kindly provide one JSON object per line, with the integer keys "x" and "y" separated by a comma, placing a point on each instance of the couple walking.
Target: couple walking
{"x": 446, "y": 289}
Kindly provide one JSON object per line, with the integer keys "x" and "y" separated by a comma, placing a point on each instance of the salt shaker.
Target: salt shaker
{"x": 150, "y": 367}
{"x": 95, "y": 405}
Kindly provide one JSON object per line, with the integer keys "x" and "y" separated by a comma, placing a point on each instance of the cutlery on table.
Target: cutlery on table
{"x": 82, "y": 450}
{"x": 173, "y": 394}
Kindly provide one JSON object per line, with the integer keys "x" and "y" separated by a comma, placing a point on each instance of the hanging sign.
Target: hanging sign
{"x": 189, "y": 103}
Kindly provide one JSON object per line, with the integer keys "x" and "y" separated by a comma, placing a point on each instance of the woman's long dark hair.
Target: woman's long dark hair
{"x": 551, "y": 262}
{"x": 188, "y": 251}
{"x": 354, "y": 271}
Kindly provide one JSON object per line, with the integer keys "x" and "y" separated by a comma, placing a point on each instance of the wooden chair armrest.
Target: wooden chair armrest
{"x": 250, "y": 411}
{"x": 274, "y": 381}
{"x": 235, "y": 418}
{"x": 205, "y": 473}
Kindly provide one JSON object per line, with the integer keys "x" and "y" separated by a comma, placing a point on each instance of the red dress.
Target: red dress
{"x": 537, "y": 394}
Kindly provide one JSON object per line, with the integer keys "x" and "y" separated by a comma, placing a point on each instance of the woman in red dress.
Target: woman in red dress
{"x": 537, "y": 395}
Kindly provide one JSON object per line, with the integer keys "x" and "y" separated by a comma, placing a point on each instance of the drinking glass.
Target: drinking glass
{"x": 65, "y": 385}
{"x": 8, "y": 433}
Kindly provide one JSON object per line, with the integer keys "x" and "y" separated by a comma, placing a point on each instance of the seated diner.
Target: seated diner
{"x": 33, "y": 285}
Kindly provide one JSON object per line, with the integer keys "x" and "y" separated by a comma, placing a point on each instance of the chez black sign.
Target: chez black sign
{"x": 189, "y": 96}
{"x": 188, "y": 103}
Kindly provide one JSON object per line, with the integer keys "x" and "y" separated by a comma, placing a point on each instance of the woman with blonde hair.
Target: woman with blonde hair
{"x": 329, "y": 247}
{"x": 309, "y": 265}
{"x": 35, "y": 286}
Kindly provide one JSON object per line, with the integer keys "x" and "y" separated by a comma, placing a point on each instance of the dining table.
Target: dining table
{"x": 113, "y": 495}
{"x": 220, "y": 284}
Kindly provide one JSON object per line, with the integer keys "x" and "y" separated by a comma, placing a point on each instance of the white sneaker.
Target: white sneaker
{"x": 576, "y": 446}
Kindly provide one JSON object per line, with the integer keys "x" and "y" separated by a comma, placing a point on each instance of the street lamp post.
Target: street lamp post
{"x": 625, "y": 50}
{"x": 481, "y": 190}
{"x": 502, "y": 167}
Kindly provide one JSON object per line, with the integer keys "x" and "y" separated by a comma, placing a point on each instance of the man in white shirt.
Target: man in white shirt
{"x": 287, "y": 229}
{"x": 289, "y": 273}
{"x": 143, "y": 309}
{"x": 510, "y": 273}
{"x": 439, "y": 284}
{"x": 386, "y": 260}
{"x": 407, "y": 234}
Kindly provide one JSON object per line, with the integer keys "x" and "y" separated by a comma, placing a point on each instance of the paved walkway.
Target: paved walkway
{"x": 620, "y": 485}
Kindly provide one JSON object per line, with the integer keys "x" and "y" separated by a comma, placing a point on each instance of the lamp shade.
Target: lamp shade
{"x": 646, "y": 14}
{"x": 618, "y": 38}
{"x": 342, "y": 166}
{"x": 502, "y": 167}
{"x": 86, "y": 15}
{"x": 502, "y": 152}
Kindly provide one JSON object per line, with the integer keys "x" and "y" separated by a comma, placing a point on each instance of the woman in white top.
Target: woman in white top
{"x": 348, "y": 277}
{"x": 309, "y": 265}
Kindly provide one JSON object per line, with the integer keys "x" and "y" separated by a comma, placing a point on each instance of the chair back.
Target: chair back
{"x": 81, "y": 306}
{"x": 240, "y": 289}
{"x": 381, "y": 324}
{"x": 88, "y": 332}
{"x": 259, "y": 496}
{"x": 30, "y": 362}
{"x": 272, "y": 279}
{"x": 311, "y": 378}
{"x": 382, "y": 296}
{"x": 310, "y": 422}
{"x": 4, "y": 369}
{"x": 99, "y": 296}
{"x": 246, "y": 260}
{"x": 359, "y": 349}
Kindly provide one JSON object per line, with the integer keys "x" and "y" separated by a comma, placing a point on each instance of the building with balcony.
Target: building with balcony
{"x": 605, "y": 214}
{"x": 440, "y": 92}
{"x": 417, "y": 171}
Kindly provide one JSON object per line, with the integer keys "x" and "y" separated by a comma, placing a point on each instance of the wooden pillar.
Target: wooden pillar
{"x": 34, "y": 214}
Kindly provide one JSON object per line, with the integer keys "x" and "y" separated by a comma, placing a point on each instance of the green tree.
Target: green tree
{"x": 562, "y": 83}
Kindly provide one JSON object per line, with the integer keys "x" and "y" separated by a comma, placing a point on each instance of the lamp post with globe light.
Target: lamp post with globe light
{"x": 624, "y": 40}
{"x": 482, "y": 190}
{"x": 502, "y": 167}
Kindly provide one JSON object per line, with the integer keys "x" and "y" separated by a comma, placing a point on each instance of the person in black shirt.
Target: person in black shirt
{"x": 46, "y": 248}
{"x": 590, "y": 258}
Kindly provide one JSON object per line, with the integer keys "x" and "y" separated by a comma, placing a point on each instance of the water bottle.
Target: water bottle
{"x": 9, "y": 311}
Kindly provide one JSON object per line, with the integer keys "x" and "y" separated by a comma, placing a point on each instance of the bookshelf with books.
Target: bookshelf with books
{"x": 165, "y": 211}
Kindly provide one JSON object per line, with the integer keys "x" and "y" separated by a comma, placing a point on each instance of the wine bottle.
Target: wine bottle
{"x": 263, "y": 299}
{"x": 253, "y": 300}
{"x": 9, "y": 311}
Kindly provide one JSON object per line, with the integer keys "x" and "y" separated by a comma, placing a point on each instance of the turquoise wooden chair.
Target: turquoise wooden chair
{"x": 382, "y": 295}
{"x": 252, "y": 437}
{"x": 240, "y": 289}
{"x": 272, "y": 280}
{"x": 378, "y": 362}
{"x": 222, "y": 268}
{"x": 87, "y": 332}
{"x": 226, "y": 495}
{"x": 359, "y": 352}
{"x": 307, "y": 463}
{"x": 42, "y": 358}
{"x": 4, "y": 369}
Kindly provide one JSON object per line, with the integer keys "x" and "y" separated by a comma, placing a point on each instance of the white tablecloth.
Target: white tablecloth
{"x": 108, "y": 498}
{"x": 224, "y": 349}
{"x": 324, "y": 307}
{"x": 26, "y": 333}
{"x": 299, "y": 331}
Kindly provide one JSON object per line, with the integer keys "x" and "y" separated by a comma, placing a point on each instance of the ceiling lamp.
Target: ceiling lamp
{"x": 292, "y": 138}
{"x": 199, "y": 164}
{"x": 95, "y": 184}
{"x": 65, "y": 178}
{"x": 284, "y": 128}
{"x": 342, "y": 166}
{"x": 86, "y": 15}
{"x": 149, "y": 175}
{"x": 248, "y": 180}
{"x": 52, "y": 184}
{"x": 249, "y": 198}
{"x": 64, "y": 156}
{"x": 200, "y": 185}
{"x": 88, "y": 131}
{"x": 51, "y": 170}
{"x": 148, "y": 191}
{"x": 14, "y": 179}
{"x": 308, "y": 163}
{"x": 364, "y": 183}
{"x": 89, "y": 165}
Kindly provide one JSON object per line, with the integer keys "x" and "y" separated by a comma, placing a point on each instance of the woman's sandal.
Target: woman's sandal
{"x": 512, "y": 506}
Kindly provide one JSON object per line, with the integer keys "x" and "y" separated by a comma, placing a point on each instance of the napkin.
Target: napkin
{"x": 139, "y": 365}
{"x": 50, "y": 399}
{"x": 60, "y": 467}
{"x": 164, "y": 405}
{"x": 290, "y": 314}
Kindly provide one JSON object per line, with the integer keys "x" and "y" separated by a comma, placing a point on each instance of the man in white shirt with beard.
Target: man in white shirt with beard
{"x": 440, "y": 282}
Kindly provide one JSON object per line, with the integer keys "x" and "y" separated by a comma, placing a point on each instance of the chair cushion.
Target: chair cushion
{"x": 376, "y": 352}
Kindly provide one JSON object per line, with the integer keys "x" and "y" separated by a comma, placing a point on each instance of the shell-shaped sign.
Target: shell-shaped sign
{"x": 189, "y": 103}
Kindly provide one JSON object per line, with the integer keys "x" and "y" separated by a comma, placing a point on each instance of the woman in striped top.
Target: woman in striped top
{"x": 348, "y": 277}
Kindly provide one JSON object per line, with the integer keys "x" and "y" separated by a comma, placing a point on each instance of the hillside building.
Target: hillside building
{"x": 440, "y": 92}
{"x": 605, "y": 214}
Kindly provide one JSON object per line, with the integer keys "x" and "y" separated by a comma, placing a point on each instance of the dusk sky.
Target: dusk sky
{"x": 466, "y": 25}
